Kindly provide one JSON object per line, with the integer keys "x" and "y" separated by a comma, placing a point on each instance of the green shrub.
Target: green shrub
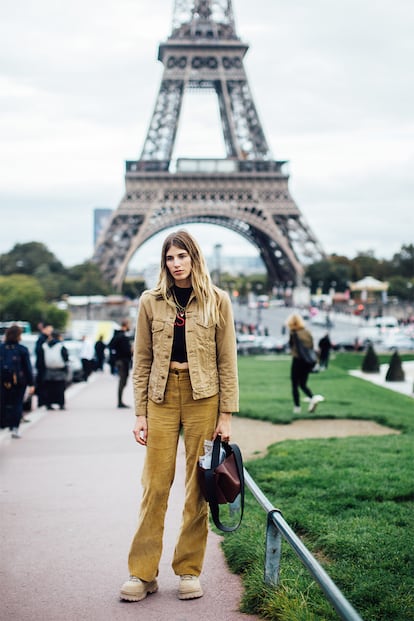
{"x": 395, "y": 371}
{"x": 370, "y": 363}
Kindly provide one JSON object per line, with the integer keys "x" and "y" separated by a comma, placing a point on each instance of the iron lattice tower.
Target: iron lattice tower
{"x": 246, "y": 192}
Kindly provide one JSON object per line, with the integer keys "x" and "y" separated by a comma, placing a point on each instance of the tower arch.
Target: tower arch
{"x": 247, "y": 191}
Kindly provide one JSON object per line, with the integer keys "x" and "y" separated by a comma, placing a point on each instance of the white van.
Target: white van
{"x": 377, "y": 329}
{"x": 388, "y": 321}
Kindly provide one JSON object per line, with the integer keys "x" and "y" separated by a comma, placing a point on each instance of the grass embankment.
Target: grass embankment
{"x": 349, "y": 499}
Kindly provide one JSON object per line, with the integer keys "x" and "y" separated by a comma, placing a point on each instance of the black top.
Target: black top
{"x": 40, "y": 363}
{"x": 179, "y": 350}
{"x": 325, "y": 343}
{"x": 120, "y": 346}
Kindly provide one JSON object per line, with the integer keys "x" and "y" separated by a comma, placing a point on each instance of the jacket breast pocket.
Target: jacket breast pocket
{"x": 205, "y": 337}
{"x": 158, "y": 330}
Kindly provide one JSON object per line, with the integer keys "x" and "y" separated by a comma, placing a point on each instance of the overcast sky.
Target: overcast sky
{"x": 332, "y": 81}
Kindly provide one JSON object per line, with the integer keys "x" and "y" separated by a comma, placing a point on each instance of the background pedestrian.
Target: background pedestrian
{"x": 87, "y": 356}
{"x": 55, "y": 357}
{"x": 300, "y": 369}
{"x": 325, "y": 347}
{"x": 100, "y": 348}
{"x": 45, "y": 330}
{"x": 121, "y": 350}
{"x": 15, "y": 376}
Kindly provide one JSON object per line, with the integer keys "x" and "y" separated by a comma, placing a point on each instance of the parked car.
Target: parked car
{"x": 398, "y": 342}
{"x": 25, "y": 326}
{"x": 257, "y": 344}
{"x": 383, "y": 322}
{"x": 272, "y": 345}
{"x": 245, "y": 343}
{"x": 347, "y": 343}
{"x": 29, "y": 341}
{"x": 321, "y": 319}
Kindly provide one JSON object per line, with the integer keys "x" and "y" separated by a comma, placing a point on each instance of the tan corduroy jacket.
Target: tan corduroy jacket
{"x": 211, "y": 352}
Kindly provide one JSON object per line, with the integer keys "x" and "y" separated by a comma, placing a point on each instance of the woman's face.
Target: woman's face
{"x": 178, "y": 263}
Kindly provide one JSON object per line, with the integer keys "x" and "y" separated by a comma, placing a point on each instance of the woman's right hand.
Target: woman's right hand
{"x": 141, "y": 430}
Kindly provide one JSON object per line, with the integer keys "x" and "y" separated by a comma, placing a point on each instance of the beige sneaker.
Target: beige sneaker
{"x": 134, "y": 589}
{"x": 189, "y": 587}
{"x": 314, "y": 402}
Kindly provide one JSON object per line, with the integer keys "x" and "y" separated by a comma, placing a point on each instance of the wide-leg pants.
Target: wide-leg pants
{"x": 197, "y": 419}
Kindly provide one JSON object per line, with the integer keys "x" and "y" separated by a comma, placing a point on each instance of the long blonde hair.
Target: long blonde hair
{"x": 200, "y": 277}
{"x": 295, "y": 322}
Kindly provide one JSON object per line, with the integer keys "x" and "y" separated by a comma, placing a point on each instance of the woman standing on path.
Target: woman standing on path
{"x": 300, "y": 369}
{"x": 15, "y": 375}
{"x": 185, "y": 377}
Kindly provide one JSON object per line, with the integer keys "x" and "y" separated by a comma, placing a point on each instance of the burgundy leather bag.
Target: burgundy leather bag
{"x": 223, "y": 482}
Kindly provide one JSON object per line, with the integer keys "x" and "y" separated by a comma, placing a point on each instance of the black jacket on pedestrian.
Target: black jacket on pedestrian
{"x": 11, "y": 398}
{"x": 120, "y": 346}
{"x": 40, "y": 362}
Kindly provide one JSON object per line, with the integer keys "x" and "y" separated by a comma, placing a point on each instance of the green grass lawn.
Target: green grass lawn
{"x": 350, "y": 499}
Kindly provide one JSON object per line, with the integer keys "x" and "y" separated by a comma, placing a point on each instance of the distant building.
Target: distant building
{"x": 101, "y": 217}
{"x": 237, "y": 264}
{"x": 149, "y": 274}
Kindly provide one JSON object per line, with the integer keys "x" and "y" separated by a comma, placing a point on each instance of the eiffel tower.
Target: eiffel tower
{"x": 246, "y": 192}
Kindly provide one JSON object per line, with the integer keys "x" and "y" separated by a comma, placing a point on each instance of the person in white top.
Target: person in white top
{"x": 87, "y": 356}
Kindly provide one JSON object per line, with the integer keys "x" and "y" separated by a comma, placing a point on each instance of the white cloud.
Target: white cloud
{"x": 331, "y": 83}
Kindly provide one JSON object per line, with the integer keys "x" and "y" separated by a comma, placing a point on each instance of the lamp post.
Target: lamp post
{"x": 259, "y": 305}
{"x": 217, "y": 252}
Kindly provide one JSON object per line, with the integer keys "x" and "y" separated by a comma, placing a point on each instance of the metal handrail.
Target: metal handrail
{"x": 276, "y": 527}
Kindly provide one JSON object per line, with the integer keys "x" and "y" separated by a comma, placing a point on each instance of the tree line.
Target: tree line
{"x": 32, "y": 279}
{"x": 338, "y": 272}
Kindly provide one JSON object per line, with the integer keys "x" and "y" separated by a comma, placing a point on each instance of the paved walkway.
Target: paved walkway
{"x": 406, "y": 387}
{"x": 70, "y": 491}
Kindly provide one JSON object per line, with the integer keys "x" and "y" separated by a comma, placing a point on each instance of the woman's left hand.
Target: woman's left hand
{"x": 223, "y": 428}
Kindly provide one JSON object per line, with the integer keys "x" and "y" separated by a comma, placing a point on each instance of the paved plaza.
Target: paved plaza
{"x": 70, "y": 491}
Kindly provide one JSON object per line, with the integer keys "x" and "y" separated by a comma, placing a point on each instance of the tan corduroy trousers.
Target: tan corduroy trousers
{"x": 198, "y": 420}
